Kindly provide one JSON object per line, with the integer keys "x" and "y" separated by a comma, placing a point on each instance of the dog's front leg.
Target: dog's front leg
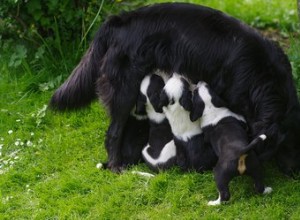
{"x": 123, "y": 102}
{"x": 113, "y": 145}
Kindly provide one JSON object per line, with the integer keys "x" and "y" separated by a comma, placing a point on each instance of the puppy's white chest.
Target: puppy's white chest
{"x": 181, "y": 125}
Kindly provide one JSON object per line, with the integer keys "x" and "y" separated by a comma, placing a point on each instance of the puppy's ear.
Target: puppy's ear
{"x": 216, "y": 100}
{"x": 197, "y": 106}
{"x": 163, "y": 100}
{"x": 186, "y": 100}
{"x": 155, "y": 101}
{"x": 141, "y": 105}
{"x": 154, "y": 90}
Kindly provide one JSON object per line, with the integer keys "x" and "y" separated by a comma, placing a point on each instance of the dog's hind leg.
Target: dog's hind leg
{"x": 222, "y": 179}
{"x": 255, "y": 171}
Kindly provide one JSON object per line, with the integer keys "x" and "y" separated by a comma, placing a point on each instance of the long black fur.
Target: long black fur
{"x": 249, "y": 72}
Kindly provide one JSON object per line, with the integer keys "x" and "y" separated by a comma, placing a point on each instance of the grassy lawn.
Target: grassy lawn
{"x": 48, "y": 160}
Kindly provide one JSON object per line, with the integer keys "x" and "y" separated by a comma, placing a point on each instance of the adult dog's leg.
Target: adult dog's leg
{"x": 113, "y": 144}
{"x": 256, "y": 173}
{"x": 121, "y": 106}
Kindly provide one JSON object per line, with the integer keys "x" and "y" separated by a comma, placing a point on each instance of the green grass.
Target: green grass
{"x": 258, "y": 13}
{"x": 48, "y": 162}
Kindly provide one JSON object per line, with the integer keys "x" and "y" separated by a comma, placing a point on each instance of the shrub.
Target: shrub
{"x": 51, "y": 33}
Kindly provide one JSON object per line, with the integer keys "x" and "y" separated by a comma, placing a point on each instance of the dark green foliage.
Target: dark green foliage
{"x": 51, "y": 34}
{"x": 30, "y": 18}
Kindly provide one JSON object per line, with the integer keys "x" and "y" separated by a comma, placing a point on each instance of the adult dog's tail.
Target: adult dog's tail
{"x": 254, "y": 143}
{"x": 79, "y": 90}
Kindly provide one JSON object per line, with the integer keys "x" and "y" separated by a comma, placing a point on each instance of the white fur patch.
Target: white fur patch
{"x": 143, "y": 174}
{"x": 263, "y": 137}
{"x": 215, "y": 202}
{"x": 267, "y": 190}
{"x": 182, "y": 127}
{"x": 99, "y": 166}
{"x": 166, "y": 153}
{"x": 138, "y": 117}
{"x": 211, "y": 114}
{"x": 174, "y": 87}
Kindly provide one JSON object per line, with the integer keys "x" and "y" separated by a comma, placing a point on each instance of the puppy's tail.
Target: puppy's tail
{"x": 261, "y": 138}
{"x": 79, "y": 90}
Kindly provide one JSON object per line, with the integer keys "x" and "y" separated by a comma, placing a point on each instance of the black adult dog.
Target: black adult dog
{"x": 226, "y": 132}
{"x": 247, "y": 71}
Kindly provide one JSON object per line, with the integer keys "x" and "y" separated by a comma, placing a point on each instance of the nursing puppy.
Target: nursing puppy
{"x": 226, "y": 132}
{"x": 249, "y": 72}
{"x": 175, "y": 101}
{"x": 160, "y": 151}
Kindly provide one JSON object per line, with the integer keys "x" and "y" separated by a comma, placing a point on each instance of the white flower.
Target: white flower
{"x": 1, "y": 145}
{"x": 99, "y": 165}
{"x": 29, "y": 143}
{"x": 17, "y": 143}
{"x": 32, "y": 134}
{"x": 10, "y": 132}
{"x": 18, "y": 120}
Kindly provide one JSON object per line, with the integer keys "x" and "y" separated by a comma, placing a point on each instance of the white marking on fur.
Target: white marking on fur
{"x": 151, "y": 113}
{"x": 138, "y": 117}
{"x": 166, "y": 153}
{"x": 263, "y": 137}
{"x": 145, "y": 84}
{"x": 215, "y": 202}
{"x": 267, "y": 190}
{"x": 99, "y": 166}
{"x": 162, "y": 74}
{"x": 182, "y": 127}
{"x": 174, "y": 87}
{"x": 211, "y": 114}
{"x": 143, "y": 174}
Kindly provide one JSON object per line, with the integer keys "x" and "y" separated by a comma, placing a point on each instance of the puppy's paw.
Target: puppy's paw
{"x": 142, "y": 174}
{"x": 215, "y": 202}
{"x": 100, "y": 166}
{"x": 267, "y": 190}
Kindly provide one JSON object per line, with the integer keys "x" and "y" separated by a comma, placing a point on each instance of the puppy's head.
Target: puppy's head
{"x": 151, "y": 87}
{"x": 177, "y": 89}
{"x": 204, "y": 95}
{"x": 200, "y": 96}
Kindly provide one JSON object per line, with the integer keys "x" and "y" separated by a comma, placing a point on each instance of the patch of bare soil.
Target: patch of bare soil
{"x": 283, "y": 39}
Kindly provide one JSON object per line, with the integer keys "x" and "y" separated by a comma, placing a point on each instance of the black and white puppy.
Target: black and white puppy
{"x": 160, "y": 152}
{"x": 175, "y": 101}
{"x": 226, "y": 132}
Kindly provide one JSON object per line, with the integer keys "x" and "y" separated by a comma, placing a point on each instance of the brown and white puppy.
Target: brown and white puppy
{"x": 192, "y": 153}
{"x": 226, "y": 132}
